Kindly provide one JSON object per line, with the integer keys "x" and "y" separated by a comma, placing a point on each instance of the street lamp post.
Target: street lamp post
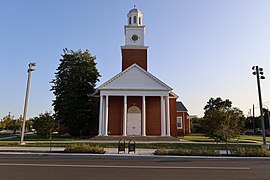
{"x": 259, "y": 73}
{"x": 30, "y": 69}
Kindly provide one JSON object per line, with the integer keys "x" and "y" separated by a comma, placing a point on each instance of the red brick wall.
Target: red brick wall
{"x": 115, "y": 115}
{"x": 135, "y": 101}
{"x": 153, "y": 116}
{"x": 173, "y": 125}
{"x": 185, "y": 124}
{"x": 131, "y": 56}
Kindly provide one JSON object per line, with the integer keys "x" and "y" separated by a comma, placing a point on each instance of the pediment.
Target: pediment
{"x": 134, "y": 78}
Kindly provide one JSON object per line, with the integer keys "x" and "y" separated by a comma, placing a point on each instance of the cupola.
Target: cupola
{"x": 134, "y": 17}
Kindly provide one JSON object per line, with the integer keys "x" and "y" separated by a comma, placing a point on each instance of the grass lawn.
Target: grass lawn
{"x": 254, "y": 138}
{"x": 241, "y": 139}
{"x": 198, "y": 138}
{"x": 35, "y": 137}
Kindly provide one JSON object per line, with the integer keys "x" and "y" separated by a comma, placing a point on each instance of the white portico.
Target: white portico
{"x": 134, "y": 82}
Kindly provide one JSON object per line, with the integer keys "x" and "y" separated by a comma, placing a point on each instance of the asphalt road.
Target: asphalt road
{"x": 59, "y": 167}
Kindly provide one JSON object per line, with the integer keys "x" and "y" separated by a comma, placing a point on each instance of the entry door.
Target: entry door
{"x": 134, "y": 117}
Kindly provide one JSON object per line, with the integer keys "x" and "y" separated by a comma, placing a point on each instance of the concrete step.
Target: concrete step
{"x": 135, "y": 138}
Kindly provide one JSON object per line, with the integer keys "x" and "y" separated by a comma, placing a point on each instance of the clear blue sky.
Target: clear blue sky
{"x": 200, "y": 48}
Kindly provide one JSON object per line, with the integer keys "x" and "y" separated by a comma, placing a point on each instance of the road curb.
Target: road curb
{"x": 129, "y": 156}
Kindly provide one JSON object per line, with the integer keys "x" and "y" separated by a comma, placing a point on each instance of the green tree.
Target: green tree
{"x": 7, "y": 122}
{"x": 10, "y": 123}
{"x": 197, "y": 125}
{"x": 44, "y": 124}
{"x": 222, "y": 122}
{"x": 74, "y": 82}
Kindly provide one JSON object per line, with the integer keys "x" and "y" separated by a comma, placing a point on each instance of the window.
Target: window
{"x": 179, "y": 122}
{"x": 129, "y": 20}
{"x": 140, "y": 20}
{"x": 134, "y": 19}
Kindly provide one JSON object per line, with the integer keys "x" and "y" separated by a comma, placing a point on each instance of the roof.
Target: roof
{"x": 180, "y": 107}
{"x": 134, "y": 78}
{"x": 135, "y": 10}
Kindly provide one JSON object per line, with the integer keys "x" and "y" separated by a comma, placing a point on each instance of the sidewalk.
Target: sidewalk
{"x": 61, "y": 149}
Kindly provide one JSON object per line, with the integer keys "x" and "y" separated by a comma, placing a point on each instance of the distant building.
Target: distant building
{"x": 182, "y": 119}
{"x": 135, "y": 102}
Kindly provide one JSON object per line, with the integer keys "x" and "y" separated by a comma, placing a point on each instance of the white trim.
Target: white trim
{"x": 103, "y": 86}
{"x": 173, "y": 94}
{"x": 180, "y": 121}
{"x": 134, "y": 47}
{"x": 133, "y": 93}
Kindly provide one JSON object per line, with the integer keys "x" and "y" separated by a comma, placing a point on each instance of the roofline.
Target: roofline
{"x": 130, "y": 67}
{"x": 134, "y": 47}
{"x": 174, "y": 95}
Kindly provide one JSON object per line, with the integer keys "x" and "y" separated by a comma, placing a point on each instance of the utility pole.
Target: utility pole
{"x": 259, "y": 73}
{"x": 30, "y": 69}
{"x": 253, "y": 114}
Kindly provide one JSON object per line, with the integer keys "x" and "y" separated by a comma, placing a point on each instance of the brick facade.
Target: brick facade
{"x": 173, "y": 117}
{"x": 131, "y": 56}
{"x": 185, "y": 124}
{"x": 153, "y": 114}
{"x": 115, "y": 125}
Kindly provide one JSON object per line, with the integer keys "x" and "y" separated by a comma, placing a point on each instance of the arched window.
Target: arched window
{"x": 134, "y": 19}
{"x": 140, "y": 20}
{"x": 129, "y": 20}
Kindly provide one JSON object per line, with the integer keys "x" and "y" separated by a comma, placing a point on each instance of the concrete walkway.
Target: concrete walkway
{"x": 61, "y": 149}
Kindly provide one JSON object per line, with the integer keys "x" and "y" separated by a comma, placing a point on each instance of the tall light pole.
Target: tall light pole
{"x": 253, "y": 115}
{"x": 30, "y": 69}
{"x": 259, "y": 73}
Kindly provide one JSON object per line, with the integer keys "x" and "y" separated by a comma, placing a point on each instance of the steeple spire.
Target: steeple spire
{"x": 134, "y": 50}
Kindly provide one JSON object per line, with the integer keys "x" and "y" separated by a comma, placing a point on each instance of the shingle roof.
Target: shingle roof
{"x": 180, "y": 106}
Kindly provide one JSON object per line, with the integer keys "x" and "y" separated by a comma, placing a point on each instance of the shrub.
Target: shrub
{"x": 251, "y": 152}
{"x": 84, "y": 148}
{"x": 187, "y": 152}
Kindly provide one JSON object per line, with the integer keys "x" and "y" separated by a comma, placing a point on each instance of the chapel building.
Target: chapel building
{"x": 135, "y": 102}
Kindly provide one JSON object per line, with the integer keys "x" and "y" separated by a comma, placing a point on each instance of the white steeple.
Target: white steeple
{"x": 134, "y": 30}
{"x": 134, "y": 17}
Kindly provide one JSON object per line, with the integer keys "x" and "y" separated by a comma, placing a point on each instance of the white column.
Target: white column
{"x": 106, "y": 115}
{"x": 162, "y": 116}
{"x": 103, "y": 115}
{"x": 100, "y": 116}
{"x": 143, "y": 116}
{"x": 125, "y": 117}
{"x": 168, "y": 116}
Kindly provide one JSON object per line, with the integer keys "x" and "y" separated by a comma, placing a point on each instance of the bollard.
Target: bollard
{"x": 131, "y": 146}
{"x": 121, "y": 145}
